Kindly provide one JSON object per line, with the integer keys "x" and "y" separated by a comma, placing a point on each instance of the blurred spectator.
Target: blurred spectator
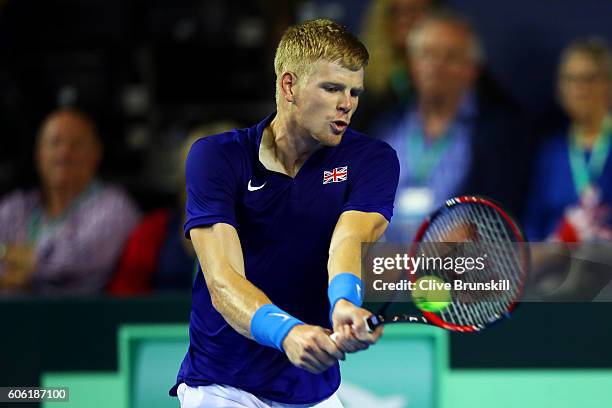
{"x": 387, "y": 81}
{"x": 157, "y": 255}
{"x": 66, "y": 236}
{"x": 455, "y": 139}
{"x": 571, "y": 190}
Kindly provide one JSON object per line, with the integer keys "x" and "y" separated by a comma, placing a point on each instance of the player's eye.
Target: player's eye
{"x": 331, "y": 89}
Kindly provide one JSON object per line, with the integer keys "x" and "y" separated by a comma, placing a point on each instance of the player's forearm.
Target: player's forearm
{"x": 345, "y": 256}
{"x": 235, "y": 298}
{"x": 246, "y": 308}
{"x": 353, "y": 230}
{"x": 220, "y": 254}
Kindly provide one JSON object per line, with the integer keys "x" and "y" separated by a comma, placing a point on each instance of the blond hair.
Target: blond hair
{"x": 304, "y": 44}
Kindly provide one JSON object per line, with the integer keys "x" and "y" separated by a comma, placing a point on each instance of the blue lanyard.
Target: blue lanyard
{"x": 424, "y": 158}
{"x": 586, "y": 172}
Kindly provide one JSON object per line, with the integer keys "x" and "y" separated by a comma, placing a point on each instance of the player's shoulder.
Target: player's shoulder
{"x": 355, "y": 139}
{"x": 232, "y": 139}
{"x": 360, "y": 143}
{"x": 231, "y": 144}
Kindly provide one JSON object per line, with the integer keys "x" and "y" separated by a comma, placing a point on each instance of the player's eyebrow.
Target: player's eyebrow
{"x": 357, "y": 91}
{"x": 341, "y": 87}
{"x": 333, "y": 85}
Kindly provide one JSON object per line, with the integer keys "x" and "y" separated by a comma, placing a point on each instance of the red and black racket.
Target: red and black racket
{"x": 468, "y": 223}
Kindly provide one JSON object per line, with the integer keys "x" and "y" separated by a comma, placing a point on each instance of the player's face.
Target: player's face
{"x": 584, "y": 88}
{"x": 442, "y": 61}
{"x": 67, "y": 153}
{"x": 327, "y": 100}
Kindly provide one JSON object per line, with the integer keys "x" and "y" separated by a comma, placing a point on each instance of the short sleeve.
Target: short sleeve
{"x": 374, "y": 184}
{"x": 211, "y": 184}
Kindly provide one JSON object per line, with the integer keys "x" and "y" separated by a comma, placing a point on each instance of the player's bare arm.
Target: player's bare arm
{"x": 220, "y": 254}
{"x": 353, "y": 229}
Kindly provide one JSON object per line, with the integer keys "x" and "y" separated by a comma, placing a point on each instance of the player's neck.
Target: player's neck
{"x": 285, "y": 147}
{"x": 437, "y": 114}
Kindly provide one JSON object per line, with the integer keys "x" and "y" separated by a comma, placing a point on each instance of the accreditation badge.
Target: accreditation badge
{"x": 415, "y": 202}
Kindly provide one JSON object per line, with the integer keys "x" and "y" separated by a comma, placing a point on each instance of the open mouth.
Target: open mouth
{"x": 339, "y": 126}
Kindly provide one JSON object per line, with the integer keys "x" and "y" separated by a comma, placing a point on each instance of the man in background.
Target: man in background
{"x": 456, "y": 138}
{"x": 65, "y": 236}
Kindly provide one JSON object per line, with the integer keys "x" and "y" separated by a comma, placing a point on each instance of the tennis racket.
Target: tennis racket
{"x": 468, "y": 220}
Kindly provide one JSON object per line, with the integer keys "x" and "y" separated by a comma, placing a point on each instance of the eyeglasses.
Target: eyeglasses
{"x": 582, "y": 78}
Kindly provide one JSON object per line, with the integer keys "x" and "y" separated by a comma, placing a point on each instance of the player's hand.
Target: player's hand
{"x": 311, "y": 348}
{"x": 351, "y": 332}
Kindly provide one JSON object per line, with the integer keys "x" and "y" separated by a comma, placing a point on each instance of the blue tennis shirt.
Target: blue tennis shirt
{"x": 285, "y": 227}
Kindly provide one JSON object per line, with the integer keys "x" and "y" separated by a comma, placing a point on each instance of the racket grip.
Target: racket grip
{"x": 373, "y": 322}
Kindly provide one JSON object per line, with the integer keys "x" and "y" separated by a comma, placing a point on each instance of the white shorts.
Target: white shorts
{"x": 224, "y": 396}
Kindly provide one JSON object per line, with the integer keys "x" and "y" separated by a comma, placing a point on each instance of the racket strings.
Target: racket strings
{"x": 452, "y": 313}
{"x": 493, "y": 237}
{"x": 497, "y": 241}
{"x": 505, "y": 250}
{"x": 491, "y": 231}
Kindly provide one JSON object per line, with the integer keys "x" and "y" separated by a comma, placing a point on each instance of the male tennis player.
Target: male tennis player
{"x": 277, "y": 214}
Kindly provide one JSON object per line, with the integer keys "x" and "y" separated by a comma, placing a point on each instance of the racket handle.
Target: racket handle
{"x": 373, "y": 322}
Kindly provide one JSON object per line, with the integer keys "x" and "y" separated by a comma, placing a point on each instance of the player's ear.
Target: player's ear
{"x": 287, "y": 86}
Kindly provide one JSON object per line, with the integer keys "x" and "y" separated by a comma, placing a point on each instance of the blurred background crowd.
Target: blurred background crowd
{"x": 100, "y": 101}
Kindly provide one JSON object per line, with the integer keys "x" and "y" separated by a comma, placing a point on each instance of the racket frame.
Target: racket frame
{"x": 432, "y": 318}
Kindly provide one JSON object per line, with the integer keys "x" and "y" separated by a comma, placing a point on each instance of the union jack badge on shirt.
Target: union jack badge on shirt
{"x": 336, "y": 175}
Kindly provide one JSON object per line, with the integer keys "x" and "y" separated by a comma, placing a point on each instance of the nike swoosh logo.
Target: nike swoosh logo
{"x": 283, "y": 316}
{"x": 358, "y": 290}
{"x": 251, "y": 188}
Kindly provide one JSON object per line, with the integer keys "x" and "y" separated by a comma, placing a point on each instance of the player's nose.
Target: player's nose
{"x": 345, "y": 104}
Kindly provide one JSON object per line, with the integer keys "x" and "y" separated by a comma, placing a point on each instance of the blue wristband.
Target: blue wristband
{"x": 344, "y": 286}
{"x": 270, "y": 325}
